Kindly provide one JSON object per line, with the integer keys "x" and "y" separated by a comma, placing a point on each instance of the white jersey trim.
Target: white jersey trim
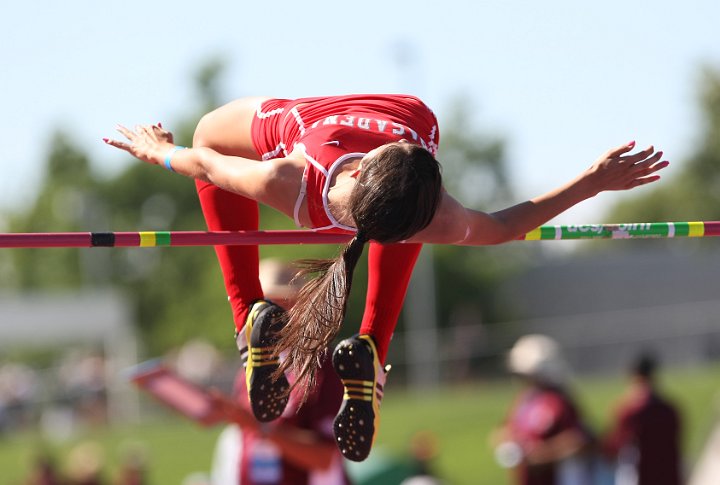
{"x": 274, "y": 153}
{"x": 298, "y": 119}
{"x": 325, "y": 190}
{"x": 262, "y": 115}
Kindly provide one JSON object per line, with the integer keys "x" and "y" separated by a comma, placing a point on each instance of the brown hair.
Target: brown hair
{"x": 396, "y": 195}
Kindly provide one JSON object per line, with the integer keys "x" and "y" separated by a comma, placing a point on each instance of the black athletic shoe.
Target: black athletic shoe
{"x": 256, "y": 342}
{"x": 356, "y": 363}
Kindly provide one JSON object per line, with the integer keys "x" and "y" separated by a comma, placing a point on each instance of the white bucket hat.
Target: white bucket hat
{"x": 539, "y": 357}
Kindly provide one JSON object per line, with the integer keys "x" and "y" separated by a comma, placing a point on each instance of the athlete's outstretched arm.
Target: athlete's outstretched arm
{"x": 455, "y": 224}
{"x": 261, "y": 181}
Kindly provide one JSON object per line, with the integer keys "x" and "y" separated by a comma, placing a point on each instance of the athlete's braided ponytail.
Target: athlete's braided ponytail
{"x": 315, "y": 319}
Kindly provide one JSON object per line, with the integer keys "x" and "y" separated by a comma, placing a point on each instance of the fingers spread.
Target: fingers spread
{"x": 149, "y": 130}
{"x": 117, "y": 144}
{"x": 126, "y": 132}
{"x": 650, "y": 165}
{"x": 616, "y": 152}
{"x": 639, "y": 156}
{"x": 654, "y": 168}
{"x": 642, "y": 171}
{"x": 644, "y": 180}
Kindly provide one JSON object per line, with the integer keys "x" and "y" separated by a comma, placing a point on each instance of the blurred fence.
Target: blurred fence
{"x": 91, "y": 337}
{"x": 597, "y": 343}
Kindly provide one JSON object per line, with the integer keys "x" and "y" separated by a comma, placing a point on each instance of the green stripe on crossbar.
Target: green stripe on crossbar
{"x": 162, "y": 238}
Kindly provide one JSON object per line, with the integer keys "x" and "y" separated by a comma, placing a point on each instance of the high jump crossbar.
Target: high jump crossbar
{"x": 642, "y": 230}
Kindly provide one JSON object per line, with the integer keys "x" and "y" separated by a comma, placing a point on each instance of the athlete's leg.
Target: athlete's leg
{"x": 225, "y": 211}
{"x": 359, "y": 360}
{"x": 389, "y": 269}
{"x": 228, "y": 131}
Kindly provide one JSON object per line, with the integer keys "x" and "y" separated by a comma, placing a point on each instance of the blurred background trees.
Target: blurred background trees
{"x": 693, "y": 193}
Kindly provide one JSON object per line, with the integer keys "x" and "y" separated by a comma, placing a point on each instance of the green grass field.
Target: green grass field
{"x": 461, "y": 418}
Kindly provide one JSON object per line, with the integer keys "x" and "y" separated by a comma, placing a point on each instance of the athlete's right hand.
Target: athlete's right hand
{"x": 149, "y": 143}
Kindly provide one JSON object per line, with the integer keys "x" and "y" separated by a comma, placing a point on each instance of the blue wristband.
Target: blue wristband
{"x": 169, "y": 156}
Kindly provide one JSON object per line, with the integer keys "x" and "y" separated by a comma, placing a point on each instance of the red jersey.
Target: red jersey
{"x": 331, "y": 130}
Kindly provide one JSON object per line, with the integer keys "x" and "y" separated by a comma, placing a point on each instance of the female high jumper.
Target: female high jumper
{"x": 362, "y": 165}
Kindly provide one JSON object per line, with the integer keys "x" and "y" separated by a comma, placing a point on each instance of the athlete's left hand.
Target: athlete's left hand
{"x": 149, "y": 143}
{"x": 616, "y": 170}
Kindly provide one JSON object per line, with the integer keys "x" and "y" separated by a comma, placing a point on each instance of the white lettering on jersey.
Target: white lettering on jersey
{"x": 412, "y": 133}
{"x": 370, "y": 123}
{"x": 364, "y": 123}
{"x": 348, "y": 121}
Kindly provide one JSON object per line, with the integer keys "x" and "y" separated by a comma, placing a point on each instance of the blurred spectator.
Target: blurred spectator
{"x": 133, "y": 467}
{"x": 296, "y": 449}
{"x": 645, "y": 438}
{"x": 197, "y": 361}
{"x": 544, "y": 439}
{"x": 423, "y": 450}
{"x": 85, "y": 464}
{"x": 82, "y": 376}
{"x": 18, "y": 393}
{"x": 44, "y": 472}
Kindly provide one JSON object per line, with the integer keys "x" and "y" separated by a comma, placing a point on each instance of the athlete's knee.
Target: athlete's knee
{"x": 203, "y": 135}
{"x": 228, "y": 128}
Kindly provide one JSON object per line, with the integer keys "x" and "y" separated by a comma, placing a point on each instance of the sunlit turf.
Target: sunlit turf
{"x": 460, "y": 418}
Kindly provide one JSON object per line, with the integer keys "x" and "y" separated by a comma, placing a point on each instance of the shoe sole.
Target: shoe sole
{"x": 268, "y": 396}
{"x": 354, "y": 424}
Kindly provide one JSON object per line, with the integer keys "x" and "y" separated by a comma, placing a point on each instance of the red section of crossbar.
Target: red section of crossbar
{"x": 180, "y": 238}
{"x": 230, "y": 238}
{"x": 712, "y": 228}
{"x": 46, "y": 240}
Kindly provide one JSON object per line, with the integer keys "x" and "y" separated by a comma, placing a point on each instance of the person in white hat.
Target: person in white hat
{"x": 543, "y": 439}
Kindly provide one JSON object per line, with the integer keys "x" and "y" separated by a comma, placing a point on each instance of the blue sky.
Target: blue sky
{"x": 562, "y": 81}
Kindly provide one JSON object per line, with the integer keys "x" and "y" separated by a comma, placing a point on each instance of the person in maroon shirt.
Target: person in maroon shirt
{"x": 544, "y": 440}
{"x": 296, "y": 449}
{"x": 645, "y": 438}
